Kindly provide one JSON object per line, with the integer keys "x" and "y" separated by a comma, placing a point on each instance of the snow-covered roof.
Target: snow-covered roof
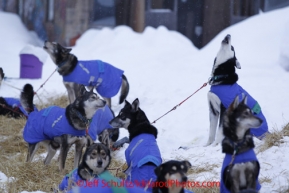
{"x": 36, "y": 51}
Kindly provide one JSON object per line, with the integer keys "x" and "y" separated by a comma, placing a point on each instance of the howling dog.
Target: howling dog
{"x": 240, "y": 168}
{"x": 224, "y": 88}
{"x": 173, "y": 173}
{"x": 59, "y": 128}
{"x": 107, "y": 79}
{"x": 143, "y": 154}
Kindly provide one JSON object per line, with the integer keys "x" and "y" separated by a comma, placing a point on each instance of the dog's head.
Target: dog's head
{"x": 88, "y": 103}
{"x": 224, "y": 64}
{"x": 95, "y": 161}
{"x": 1, "y": 75}
{"x": 238, "y": 119}
{"x": 173, "y": 173}
{"x": 129, "y": 115}
{"x": 58, "y": 53}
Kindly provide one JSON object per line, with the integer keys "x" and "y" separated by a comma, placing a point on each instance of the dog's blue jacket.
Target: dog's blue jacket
{"x": 16, "y": 103}
{"x": 227, "y": 94}
{"x": 73, "y": 176}
{"x": 47, "y": 124}
{"x": 100, "y": 122}
{"x": 141, "y": 150}
{"x": 90, "y": 72}
{"x": 97, "y": 184}
{"x": 239, "y": 158}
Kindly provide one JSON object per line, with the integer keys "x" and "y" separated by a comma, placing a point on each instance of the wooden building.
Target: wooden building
{"x": 200, "y": 20}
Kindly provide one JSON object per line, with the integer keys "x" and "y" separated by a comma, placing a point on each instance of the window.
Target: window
{"x": 50, "y": 10}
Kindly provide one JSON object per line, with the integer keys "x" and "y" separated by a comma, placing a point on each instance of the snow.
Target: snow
{"x": 164, "y": 68}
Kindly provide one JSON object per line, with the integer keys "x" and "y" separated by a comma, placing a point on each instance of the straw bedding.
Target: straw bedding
{"x": 36, "y": 176}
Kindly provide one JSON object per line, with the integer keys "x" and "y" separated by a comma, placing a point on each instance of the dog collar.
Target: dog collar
{"x": 91, "y": 173}
{"x": 217, "y": 77}
{"x": 62, "y": 63}
{"x": 82, "y": 118}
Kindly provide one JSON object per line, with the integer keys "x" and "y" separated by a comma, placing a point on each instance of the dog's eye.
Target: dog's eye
{"x": 94, "y": 97}
{"x": 93, "y": 154}
{"x": 248, "y": 112}
{"x": 103, "y": 154}
{"x": 122, "y": 117}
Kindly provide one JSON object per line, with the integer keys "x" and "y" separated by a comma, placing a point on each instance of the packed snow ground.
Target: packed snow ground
{"x": 163, "y": 68}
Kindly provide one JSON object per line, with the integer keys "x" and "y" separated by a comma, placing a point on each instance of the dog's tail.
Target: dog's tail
{"x": 26, "y": 98}
{"x": 124, "y": 89}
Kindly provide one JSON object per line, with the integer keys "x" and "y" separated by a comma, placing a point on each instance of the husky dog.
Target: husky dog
{"x": 224, "y": 89}
{"x": 240, "y": 168}
{"x": 56, "y": 127}
{"x": 143, "y": 154}
{"x": 12, "y": 107}
{"x": 92, "y": 174}
{"x": 173, "y": 174}
{"x": 95, "y": 161}
{"x": 1, "y": 75}
{"x": 107, "y": 79}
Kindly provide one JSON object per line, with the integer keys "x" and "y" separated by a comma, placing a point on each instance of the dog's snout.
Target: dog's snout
{"x": 99, "y": 162}
{"x": 227, "y": 39}
{"x": 184, "y": 178}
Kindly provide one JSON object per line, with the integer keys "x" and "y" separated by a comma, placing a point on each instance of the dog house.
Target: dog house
{"x": 31, "y": 62}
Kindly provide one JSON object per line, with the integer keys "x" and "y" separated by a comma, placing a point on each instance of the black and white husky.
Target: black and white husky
{"x": 107, "y": 79}
{"x": 94, "y": 163}
{"x": 173, "y": 173}
{"x": 224, "y": 89}
{"x": 59, "y": 128}
{"x": 143, "y": 154}
{"x": 240, "y": 168}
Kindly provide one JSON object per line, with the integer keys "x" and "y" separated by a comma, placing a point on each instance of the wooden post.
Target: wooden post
{"x": 137, "y": 20}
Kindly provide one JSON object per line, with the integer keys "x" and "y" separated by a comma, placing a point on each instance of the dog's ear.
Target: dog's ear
{"x": 67, "y": 50}
{"x": 2, "y": 73}
{"x": 135, "y": 105}
{"x": 91, "y": 88}
{"x": 158, "y": 170}
{"x": 126, "y": 103}
{"x": 234, "y": 104}
{"x": 244, "y": 101}
{"x": 237, "y": 64}
{"x": 76, "y": 103}
{"x": 187, "y": 164}
{"x": 82, "y": 90}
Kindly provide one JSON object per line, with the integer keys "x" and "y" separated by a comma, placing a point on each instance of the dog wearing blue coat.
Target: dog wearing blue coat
{"x": 60, "y": 128}
{"x": 224, "y": 89}
{"x": 241, "y": 167}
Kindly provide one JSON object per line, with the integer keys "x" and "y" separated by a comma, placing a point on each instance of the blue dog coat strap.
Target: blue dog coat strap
{"x": 256, "y": 109}
{"x": 70, "y": 173}
{"x": 148, "y": 158}
{"x": 47, "y": 111}
{"x": 137, "y": 144}
{"x": 100, "y": 66}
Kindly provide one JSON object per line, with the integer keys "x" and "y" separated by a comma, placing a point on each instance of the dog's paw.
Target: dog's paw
{"x": 215, "y": 144}
{"x": 208, "y": 143}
